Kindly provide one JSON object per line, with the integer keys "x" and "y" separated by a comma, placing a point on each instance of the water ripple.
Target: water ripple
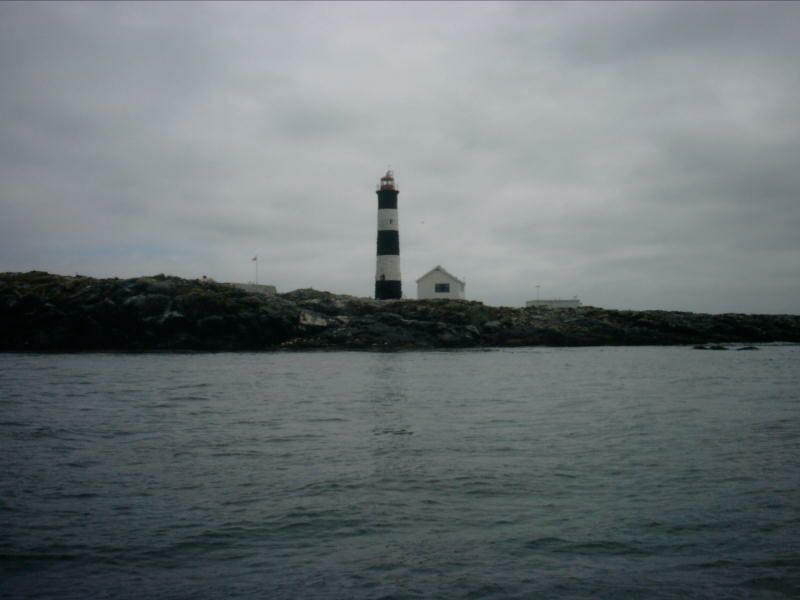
{"x": 527, "y": 473}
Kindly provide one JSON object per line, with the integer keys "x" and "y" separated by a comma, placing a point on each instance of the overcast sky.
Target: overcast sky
{"x": 636, "y": 155}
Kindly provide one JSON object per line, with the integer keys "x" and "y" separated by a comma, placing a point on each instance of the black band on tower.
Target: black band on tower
{"x": 388, "y": 242}
{"x": 387, "y": 290}
{"x": 387, "y": 199}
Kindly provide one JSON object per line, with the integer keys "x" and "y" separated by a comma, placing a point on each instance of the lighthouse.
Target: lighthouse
{"x": 387, "y": 272}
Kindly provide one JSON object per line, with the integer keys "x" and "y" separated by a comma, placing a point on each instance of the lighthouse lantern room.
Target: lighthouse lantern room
{"x": 387, "y": 272}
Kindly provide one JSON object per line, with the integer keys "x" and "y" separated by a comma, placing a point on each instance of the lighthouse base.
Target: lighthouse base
{"x": 388, "y": 290}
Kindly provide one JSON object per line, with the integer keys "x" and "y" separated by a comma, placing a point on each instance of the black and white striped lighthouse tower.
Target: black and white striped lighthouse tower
{"x": 387, "y": 271}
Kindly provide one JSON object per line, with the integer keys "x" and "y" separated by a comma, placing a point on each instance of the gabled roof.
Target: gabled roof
{"x": 442, "y": 270}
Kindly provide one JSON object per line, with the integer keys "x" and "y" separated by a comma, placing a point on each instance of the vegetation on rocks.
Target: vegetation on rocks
{"x": 41, "y": 311}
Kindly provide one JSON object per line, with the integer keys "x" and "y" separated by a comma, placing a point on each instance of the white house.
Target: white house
{"x": 438, "y": 283}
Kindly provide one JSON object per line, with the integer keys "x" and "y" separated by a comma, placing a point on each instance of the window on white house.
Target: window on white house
{"x": 441, "y": 288}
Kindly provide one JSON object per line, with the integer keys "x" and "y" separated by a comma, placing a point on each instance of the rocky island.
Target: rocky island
{"x": 45, "y": 312}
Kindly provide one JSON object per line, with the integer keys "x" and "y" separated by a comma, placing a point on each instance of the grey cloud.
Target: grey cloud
{"x": 636, "y": 155}
{"x": 663, "y": 30}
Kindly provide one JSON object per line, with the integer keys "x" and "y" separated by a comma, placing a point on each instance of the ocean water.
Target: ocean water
{"x": 526, "y": 473}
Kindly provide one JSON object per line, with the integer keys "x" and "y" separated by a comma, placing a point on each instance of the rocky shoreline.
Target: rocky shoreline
{"x": 44, "y": 312}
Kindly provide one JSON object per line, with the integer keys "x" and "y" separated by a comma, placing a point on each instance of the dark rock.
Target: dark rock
{"x": 710, "y": 347}
{"x": 149, "y": 304}
{"x": 310, "y": 320}
{"x": 39, "y": 311}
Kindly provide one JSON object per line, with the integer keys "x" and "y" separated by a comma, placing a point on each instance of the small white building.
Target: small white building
{"x": 555, "y": 303}
{"x": 438, "y": 283}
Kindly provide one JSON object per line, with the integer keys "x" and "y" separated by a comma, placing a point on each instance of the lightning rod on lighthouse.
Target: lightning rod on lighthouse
{"x": 387, "y": 272}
